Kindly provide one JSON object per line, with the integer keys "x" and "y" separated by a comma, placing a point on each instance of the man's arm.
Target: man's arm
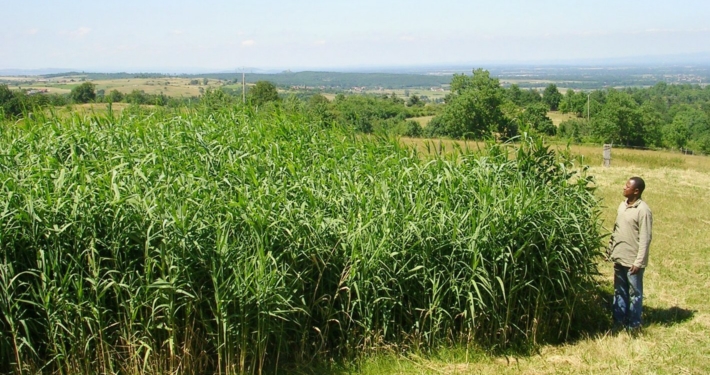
{"x": 610, "y": 247}
{"x": 645, "y": 229}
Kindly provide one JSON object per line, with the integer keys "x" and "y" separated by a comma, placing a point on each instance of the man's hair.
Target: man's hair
{"x": 638, "y": 184}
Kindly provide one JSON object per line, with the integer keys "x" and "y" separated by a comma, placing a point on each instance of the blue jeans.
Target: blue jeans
{"x": 628, "y": 297}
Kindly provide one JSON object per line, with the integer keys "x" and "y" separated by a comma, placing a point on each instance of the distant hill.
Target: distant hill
{"x": 326, "y": 80}
{"x": 339, "y": 80}
{"x": 565, "y": 76}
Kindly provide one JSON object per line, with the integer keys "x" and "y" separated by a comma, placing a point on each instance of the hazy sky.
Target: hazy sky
{"x": 154, "y": 35}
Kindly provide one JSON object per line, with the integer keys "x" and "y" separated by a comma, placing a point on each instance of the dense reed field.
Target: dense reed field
{"x": 238, "y": 241}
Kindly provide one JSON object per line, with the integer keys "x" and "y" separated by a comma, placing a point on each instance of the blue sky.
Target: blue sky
{"x": 157, "y": 35}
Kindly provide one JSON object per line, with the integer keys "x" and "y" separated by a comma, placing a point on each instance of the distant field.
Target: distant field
{"x": 423, "y": 121}
{"x": 401, "y": 93}
{"x": 171, "y": 86}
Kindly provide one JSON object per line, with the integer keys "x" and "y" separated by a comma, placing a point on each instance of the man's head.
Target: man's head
{"x": 634, "y": 188}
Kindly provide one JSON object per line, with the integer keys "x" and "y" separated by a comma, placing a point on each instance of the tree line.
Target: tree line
{"x": 663, "y": 115}
{"x": 477, "y": 107}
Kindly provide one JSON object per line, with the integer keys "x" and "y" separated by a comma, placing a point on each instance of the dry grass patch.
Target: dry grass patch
{"x": 423, "y": 120}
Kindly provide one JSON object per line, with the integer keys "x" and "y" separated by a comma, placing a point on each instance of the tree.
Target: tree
{"x": 214, "y": 100}
{"x": 690, "y": 127}
{"x": 5, "y": 94}
{"x": 676, "y": 134}
{"x": 84, "y": 93}
{"x": 552, "y": 97}
{"x": 114, "y": 96}
{"x": 573, "y": 102}
{"x": 621, "y": 109}
{"x": 535, "y": 118}
{"x": 319, "y": 108}
{"x": 515, "y": 94}
{"x": 8, "y": 103}
{"x": 529, "y": 96}
{"x": 652, "y": 125}
{"x": 136, "y": 97}
{"x": 415, "y": 101}
{"x": 413, "y": 129}
{"x": 473, "y": 108}
{"x": 263, "y": 92}
{"x": 574, "y": 129}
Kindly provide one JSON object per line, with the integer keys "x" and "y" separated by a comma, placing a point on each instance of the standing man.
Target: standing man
{"x": 628, "y": 247}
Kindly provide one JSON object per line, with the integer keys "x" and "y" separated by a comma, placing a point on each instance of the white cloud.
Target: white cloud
{"x": 33, "y": 31}
{"x": 80, "y": 32}
{"x": 248, "y": 43}
{"x": 319, "y": 42}
{"x": 176, "y": 32}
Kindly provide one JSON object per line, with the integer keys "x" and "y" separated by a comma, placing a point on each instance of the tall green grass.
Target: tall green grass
{"x": 239, "y": 241}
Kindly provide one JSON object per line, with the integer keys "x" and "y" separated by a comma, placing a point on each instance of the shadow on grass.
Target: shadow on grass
{"x": 593, "y": 315}
{"x": 592, "y": 319}
{"x": 666, "y": 317}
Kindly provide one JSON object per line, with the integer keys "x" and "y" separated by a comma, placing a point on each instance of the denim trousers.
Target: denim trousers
{"x": 628, "y": 296}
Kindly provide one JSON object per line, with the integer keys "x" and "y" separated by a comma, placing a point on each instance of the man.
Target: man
{"x": 628, "y": 247}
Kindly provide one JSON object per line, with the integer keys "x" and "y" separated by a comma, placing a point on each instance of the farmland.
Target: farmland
{"x": 170, "y": 86}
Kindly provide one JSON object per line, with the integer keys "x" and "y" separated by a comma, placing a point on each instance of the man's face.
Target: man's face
{"x": 629, "y": 189}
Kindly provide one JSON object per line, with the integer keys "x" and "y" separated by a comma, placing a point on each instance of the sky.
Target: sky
{"x": 180, "y": 35}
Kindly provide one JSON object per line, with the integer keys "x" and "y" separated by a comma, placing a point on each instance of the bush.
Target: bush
{"x": 414, "y": 129}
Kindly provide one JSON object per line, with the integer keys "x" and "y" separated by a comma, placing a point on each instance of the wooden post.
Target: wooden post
{"x": 607, "y": 155}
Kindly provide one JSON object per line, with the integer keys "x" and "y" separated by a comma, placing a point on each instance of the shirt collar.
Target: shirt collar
{"x": 636, "y": 204}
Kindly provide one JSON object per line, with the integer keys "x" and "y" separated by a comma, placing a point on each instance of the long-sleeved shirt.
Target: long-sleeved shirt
{"x": 632, "y": 234}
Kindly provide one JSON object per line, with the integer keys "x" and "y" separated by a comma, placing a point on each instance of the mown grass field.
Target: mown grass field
{"x": 677, "y": 285}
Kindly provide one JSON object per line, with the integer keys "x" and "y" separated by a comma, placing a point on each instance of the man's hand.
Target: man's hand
{"x": 633, "y": 270}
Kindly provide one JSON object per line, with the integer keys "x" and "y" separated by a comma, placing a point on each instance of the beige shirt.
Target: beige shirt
{"x": 632, "y": 234}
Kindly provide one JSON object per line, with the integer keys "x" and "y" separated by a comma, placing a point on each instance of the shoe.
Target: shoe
{"x": 616, "y": 329}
